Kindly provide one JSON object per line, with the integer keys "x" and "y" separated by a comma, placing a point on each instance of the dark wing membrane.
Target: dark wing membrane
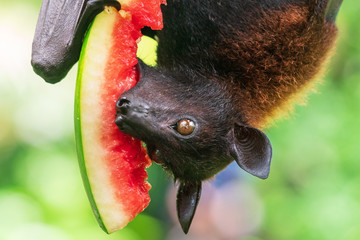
{"x": 59, "y": 34}
{"x": 332, "y": 9}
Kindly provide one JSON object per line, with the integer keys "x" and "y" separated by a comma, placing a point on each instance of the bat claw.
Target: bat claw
{"x": 91, "y": 9}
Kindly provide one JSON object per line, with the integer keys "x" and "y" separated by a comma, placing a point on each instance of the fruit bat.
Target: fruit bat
{"x": 225, "y": 68}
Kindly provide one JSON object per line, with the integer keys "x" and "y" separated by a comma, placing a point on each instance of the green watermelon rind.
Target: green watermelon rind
{"x": 78, "y": 134}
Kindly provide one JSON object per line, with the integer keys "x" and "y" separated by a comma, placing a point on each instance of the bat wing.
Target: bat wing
{"x": 332, "y": 9}
{"x": 59, "y": 34}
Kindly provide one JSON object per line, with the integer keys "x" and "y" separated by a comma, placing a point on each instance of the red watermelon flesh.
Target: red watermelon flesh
{"x": 112, "y": 163}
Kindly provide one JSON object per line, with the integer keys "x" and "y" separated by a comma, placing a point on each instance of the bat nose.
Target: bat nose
{"x": 122, "y": 106}
{"x": 132, "y": 115}
{"x": 131, "y": 108}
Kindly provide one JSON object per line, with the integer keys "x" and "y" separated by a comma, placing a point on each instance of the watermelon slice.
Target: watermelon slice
{"x": 112, "y": 163}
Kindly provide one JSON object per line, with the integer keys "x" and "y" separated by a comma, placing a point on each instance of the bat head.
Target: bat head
{"x": 189, "y": 126}
{"x": 191, "y": 129}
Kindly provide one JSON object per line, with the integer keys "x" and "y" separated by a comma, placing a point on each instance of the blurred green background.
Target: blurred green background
{"x": 313, "y": 191}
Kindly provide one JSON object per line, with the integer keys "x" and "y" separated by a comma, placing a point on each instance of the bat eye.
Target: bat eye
{"x": 185, "y": 127}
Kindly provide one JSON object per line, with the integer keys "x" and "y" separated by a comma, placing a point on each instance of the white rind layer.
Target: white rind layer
{"x": 96, "y": 54}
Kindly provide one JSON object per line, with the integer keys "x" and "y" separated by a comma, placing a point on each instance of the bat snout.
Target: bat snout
{"x": 130, "y": 108}
{"x": 122, "y": 106}
{"x": 131, "y": 116}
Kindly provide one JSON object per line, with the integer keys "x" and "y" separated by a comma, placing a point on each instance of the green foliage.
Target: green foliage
{"x": 313, "y": 190}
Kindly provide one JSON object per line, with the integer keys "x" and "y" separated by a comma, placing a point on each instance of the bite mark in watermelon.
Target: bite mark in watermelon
{"x": 112, "y": 163}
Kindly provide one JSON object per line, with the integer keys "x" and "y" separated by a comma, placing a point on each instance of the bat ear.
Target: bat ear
{"x": 187, "y": 199}
{"x": 251, "y": 149}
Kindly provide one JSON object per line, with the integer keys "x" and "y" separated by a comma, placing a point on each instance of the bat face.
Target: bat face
{"x": 185, "y": 127}
{"x": 189, "y": 126}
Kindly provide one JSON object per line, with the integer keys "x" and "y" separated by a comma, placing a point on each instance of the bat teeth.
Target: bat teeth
{"x": 152, "y": 152}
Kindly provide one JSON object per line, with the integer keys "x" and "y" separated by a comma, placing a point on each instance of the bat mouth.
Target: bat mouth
{"x": 132, "y": 119}
{"x": 132, "y": 127}
{"x": 123, "y": 125}
{"x": 127, "y": 128}
{"x": 153, "y": 153}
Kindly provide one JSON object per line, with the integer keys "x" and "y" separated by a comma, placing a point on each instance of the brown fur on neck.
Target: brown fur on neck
{"x": 277, "y": 57}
